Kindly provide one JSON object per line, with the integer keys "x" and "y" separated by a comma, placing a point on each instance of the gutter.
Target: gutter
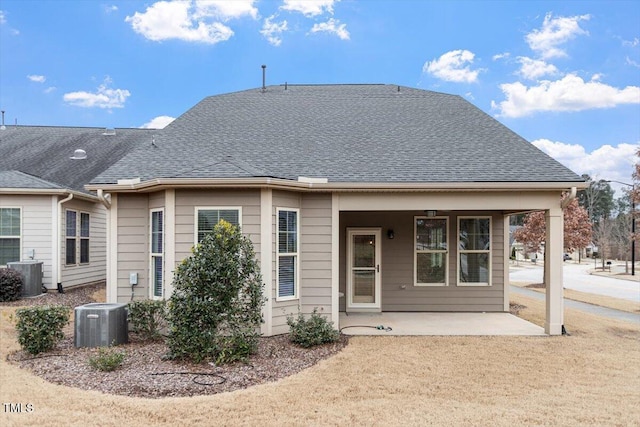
{"x": 569, "y": 198}
{"x": 135, "y": 186}
{"x": 59, "y": 234}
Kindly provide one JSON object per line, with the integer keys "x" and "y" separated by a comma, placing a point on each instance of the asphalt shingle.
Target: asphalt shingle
{"x": 345, "y": 133}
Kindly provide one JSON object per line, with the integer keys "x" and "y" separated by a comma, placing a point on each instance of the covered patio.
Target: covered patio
{"x": 430, "y": 323}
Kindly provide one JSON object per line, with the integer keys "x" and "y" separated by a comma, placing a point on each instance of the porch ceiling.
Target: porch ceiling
{"x": 437, "y": 324}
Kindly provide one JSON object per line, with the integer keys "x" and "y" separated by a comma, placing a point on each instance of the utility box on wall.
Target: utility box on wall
{"x": 100, "y": 325}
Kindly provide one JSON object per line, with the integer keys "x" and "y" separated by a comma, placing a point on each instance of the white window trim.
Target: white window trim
{"x": 80, "y": 238}
{"x": 197, "y": 209}
{"x": 416, "y": 251}
{"x": 21, "y": 231}
{"x": 156, "y": 254}
{"x": 77, "y": 237}
{"x": 488, "y": 252}
{"x": 296, "y": 287}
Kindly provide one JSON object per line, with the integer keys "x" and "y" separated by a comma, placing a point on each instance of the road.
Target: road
{"x": 589, "y": 308}
{"x": 577, "y": 277}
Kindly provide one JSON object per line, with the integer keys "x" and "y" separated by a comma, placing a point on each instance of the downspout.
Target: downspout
{"x": 568, "y": 200}
{"x": 105, "y": 199}
{"x": 59, "y": 234}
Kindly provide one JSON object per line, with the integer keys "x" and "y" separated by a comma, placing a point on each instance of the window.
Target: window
{"x": 157, "y": 252}
{"x": 71, "y": 236}
{"x": 474, "y": 254}
{"x": 207, "y": 218}
{"x": 287, "y": 260}
{"x": 10, "y": 235}
{"x": 77, "y": 237}
{"x": 431, "y": 251}
{"x": 84, "y": 238}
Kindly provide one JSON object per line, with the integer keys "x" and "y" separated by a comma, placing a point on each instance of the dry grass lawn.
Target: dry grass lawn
{"x": 589, "y": 378}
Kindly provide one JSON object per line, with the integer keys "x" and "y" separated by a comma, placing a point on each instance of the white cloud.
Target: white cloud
{"x": 606, "y": 162}
{"x": 332, "y": 26}
{"x": 225, "y": 9}
{"x": 453, "y": 67}
{"x": 309, "y": 7}
{"x": 272, "y": 30}
{"x": 50, "y": 89}
{"x": 555, "y": 32}
{"x": 500, "y": 56}
{"x": 159, "y": 122}
{"x": 103, "y": 97}
{"x": 533, "y": 69}
{"x": 36, "y": 78}
{"x": 180, "y": 20}
{"x": 631, "y": 43}
{"x": 632, "y": 62}
{"x": 109, "y": 9}
{"x": 570, "y": 93}
{"x": 3, "y": 19}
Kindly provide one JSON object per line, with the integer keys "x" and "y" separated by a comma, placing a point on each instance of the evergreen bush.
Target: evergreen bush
{"x": 108, "y": 359}
{"x": 40, "y": 328}
{"x": 313, "y": 331}
{"x": 148, "y": 318}
{"x": 11, "y": 283}
{"x": 215, "y": 309}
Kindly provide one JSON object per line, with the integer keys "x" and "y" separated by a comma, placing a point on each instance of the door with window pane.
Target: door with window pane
{"x": 363, "y": 268}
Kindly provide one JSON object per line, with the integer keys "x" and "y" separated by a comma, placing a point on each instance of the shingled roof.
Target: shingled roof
{"x": 345, "y": 133}
{"x": 39, "y": 157}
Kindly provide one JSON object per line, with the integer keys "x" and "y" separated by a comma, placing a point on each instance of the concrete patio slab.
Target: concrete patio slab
{"x": 437, "y": 324}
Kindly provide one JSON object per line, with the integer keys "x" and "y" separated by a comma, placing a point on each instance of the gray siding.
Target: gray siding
{"x": 398, "y": 291}
{"x": 133, "y": 245}
{"x": 315, "y": 236}
{"x": 187, "y": 200}
{"x": 36, "y": 229}
{"x": 96, "y": 269}
{"x": 282, "y": 309}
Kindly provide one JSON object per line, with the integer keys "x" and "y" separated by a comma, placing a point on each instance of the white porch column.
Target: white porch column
{"x": 266, "y": 257}
{"x": 554, "y": 244}
{"x": 507, "y": 254}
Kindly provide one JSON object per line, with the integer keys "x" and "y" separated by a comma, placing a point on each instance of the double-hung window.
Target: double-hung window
{"x": 431, "y": 251}
{"x": 10, "y": 235}
{"x": 157, "y": 252}
{"x": 208, "y": 217}
{"x": 474, "y": 251}
{"x": 288, "y": 254}
{"x": 77, "y": 236}
{"x": 85, "y": 226}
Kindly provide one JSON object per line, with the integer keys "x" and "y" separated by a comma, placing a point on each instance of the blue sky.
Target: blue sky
{"x": 563, "y": 74}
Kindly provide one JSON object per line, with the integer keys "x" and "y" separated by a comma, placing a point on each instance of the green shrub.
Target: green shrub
{"x": 148, "y": 317}
{"x": 215, "y": 309}
{"x": 312, "y": 331}
{"x": 108, "y": 359}
{"x": 40, "y": 328}
{"x": 11, "y": 283}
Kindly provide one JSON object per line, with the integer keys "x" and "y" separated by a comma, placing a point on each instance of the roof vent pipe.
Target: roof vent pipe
{"x": 264, "y": 78}
{"x": 3, "y": 127}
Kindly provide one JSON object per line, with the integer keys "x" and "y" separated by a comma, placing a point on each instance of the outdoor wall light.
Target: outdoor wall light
{"x": 390, "y": 234}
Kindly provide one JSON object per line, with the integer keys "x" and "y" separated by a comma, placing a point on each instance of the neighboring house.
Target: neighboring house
{"x": 358, "y": 198}
{"x": 45, "y": 213}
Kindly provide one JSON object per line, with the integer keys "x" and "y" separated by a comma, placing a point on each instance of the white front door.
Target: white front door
{"x": 363, "y": 269}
